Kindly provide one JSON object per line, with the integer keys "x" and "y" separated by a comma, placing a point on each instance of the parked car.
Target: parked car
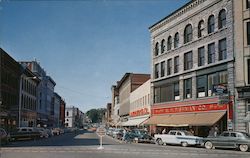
{"x": 24, "y": 133}
{"x": 4, "y": 137}
{"x": 56, "y": 131}
{"x": 180, "y": 137}
{"x": 44, "y": 132}
{"x": 116, "y": 132}
{"x": 229, "y": 139}
{"x": 141, "y": 136}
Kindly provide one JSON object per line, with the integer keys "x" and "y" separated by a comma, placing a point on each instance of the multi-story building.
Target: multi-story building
{"x": 45, "y": 93}
{"x": 193, "y": 68}
{"x": 139, "y": 105}
{"x": 56, "y": 110}
{"x": 73, "y": 117}
{"x": 28, "y": 98}
{"x": 128, "y": 83}
{"x": 242, "y": 64}
{"x": 108, "y": 119}
{"x": 62, "y": 113}
{"x": 10, "y": 71}
{"x": 114, "y": 106}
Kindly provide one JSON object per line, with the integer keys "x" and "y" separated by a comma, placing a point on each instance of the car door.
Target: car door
{"x": 231, "y": 142}
{"x": 171, "y": 137}
{"x": 222, "y": 140}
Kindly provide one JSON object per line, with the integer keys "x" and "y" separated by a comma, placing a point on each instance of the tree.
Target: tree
{"x": 96, "y": 115}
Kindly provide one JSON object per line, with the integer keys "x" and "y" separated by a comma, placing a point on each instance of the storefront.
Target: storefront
{"x": 199, "y": 116}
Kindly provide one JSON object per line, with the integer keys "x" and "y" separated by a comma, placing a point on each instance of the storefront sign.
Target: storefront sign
{"x": 144, "y": 111}
{"x": 194, "y": 108}
{"x": 220, "y": 89}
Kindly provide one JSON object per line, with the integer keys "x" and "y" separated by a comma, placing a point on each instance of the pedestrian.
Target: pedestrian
{"x": 164, "y": 131}
{"x": 216, "y": 131}
{"x": 124, "y": 134}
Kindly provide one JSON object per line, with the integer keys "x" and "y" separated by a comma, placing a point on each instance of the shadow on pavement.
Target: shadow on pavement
{"x": 67, "y": 139}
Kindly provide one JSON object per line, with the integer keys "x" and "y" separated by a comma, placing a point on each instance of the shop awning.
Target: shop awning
{"x": 188, "y": 119}
{"x": 134, "y": 122}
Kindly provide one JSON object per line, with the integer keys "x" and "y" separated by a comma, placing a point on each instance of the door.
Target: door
{"x": 221, "y": 140}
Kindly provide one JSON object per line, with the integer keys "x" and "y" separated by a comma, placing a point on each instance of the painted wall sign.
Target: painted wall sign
{"x": 144, "y": 111}
{"x": 194, "y": 108}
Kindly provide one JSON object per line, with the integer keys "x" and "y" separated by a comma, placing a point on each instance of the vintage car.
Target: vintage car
{"x": 180, "y": 137}
{"x": 229, "y": 139}
{"x": 24, "y": 133}
{"x": 141, "y": 136}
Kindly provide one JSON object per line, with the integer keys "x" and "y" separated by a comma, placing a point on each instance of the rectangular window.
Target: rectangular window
{"x": 163, "y": 94}
{"x": 223, "y": 49}
{"x": 169, "y": 66}
{"x": 223, "y": 77}
{"x": 162, "y": 68}
{"x": 248, "y": 105}
{"x": 156, "y": 94}
{"x": 201, "y": 56}
{"x": 201, "y": 86}
{"x": 248, "y": 4}
{"x": 188, "y": 88}
{"x": 248, "y": 33}
{"x": 156, "y": 70}
{"x": 176, "y": 91}
{"x": 188, "y": 60}
{"x": 211, "y": 53}
{"x": 176, "y": 64}
{"x": 211, "y": 81}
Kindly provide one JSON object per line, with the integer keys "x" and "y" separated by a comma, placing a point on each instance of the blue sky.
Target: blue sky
{"x": 85, "y": 46}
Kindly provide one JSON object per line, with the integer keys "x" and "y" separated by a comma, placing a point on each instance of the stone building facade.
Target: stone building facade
{"x": 192, "y": 63}
{"x": 242, "y": 64}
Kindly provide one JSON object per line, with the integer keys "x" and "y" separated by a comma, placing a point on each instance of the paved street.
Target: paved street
{"x": 85, "y": 144}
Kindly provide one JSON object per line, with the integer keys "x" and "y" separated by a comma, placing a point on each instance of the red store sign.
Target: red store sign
{"x": 140, "y": 112}
{"x": 194, "y": 108}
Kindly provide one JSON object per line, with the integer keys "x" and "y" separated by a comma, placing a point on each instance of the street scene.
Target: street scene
{"x": 86, "y": 143}
{"x": 118, "y": 78}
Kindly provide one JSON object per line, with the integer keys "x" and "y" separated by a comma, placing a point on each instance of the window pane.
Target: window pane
{"x": 169, "y": 43}
{"x": 156, "y": 70}
{"x": 188, "y": 88}
{"x": 201, "y": 56}
{"x": 201, "y": 86}
{"x": 211, "y": 53}
{"x": 156, "y": 95}
{"x": 162, "y": 68}
{"x": 222, "y": 19}
{"x": 211, "y": 81}
{"x": 176, "y": 64}
{"x": 176, "y": 91}
{"x": 188, "y": 61}
{"x": 156, "y": 49}
{"x": 163, "y": 95}
{"x": 211, "y": 24}
{"x": 176, "y": 40}
{"x": 200, "y": 28}
{"x": 162, "y": 46}
{"x": 169, "y": 66}
{"x": 223, "y": 49}
{"x": 223, "y": 77}
{"x": 188, "y": 33}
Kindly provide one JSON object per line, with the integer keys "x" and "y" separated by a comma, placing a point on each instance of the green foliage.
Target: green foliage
{"x": 96, "y": 115}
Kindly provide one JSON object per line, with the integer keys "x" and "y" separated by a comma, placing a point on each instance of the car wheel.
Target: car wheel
{"x": 208, "y": 145}
{"x": 159, "y": 141}
{"x": 184, "y": 144}
{"x": 243, "y": 147}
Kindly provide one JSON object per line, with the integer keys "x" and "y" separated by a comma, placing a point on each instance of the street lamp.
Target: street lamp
{"x": 20, "y": 98}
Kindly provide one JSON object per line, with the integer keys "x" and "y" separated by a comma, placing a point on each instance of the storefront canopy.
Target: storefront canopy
{"x": 135, "y": 122}
{"x": 190, "y": 119}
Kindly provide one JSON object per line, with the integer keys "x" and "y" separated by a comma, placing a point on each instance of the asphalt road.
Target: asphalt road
{"x": 85, "y": 144}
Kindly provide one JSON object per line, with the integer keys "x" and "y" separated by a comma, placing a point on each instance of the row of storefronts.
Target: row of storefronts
{"x": 199, "y": 78}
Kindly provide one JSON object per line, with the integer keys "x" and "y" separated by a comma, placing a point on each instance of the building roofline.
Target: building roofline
{"x": 182, "y": 7}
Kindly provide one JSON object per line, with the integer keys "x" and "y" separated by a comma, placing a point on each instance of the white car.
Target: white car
{"x": 180, "y": 137}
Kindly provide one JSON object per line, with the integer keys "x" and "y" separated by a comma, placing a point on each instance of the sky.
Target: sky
{"x": 86, "y": 46}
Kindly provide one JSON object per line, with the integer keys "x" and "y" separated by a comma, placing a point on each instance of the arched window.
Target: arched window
{"x": 176, "y": 40}
{"x": 67, "y": 113}
{"x": 169, "y": 43}
{"x": 210, "y": 24}
{"x": 222, "y": 19}
{"x": 162, "y": 46}
{"x": 188, "y": 33}
{"x": 156, "y": 49}
{"x": 200, "y": 28}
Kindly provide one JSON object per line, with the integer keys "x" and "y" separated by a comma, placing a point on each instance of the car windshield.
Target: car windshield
{"x": 246, "y": 134}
